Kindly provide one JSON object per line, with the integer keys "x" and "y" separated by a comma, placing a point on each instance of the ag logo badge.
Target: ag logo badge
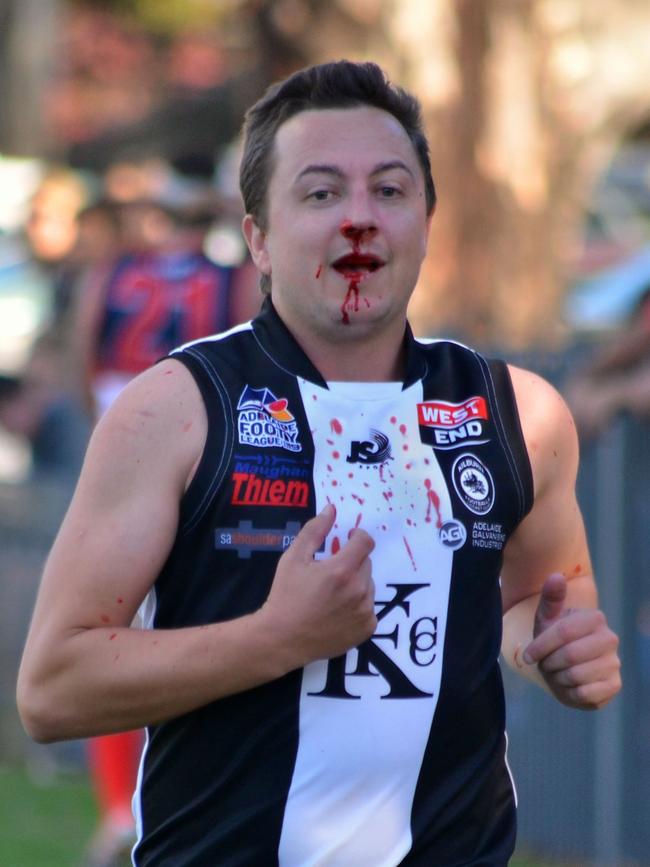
{"x": 473, "y": 484}
{"x": 452, "y": 534}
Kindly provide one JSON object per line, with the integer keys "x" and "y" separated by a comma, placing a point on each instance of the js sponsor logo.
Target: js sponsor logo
{"x": 265, "y": 421}
{"x": 272, "y": 466}
{"x": 453, "y": 425}
{"x": 376, "y": 450}
{"x": 486, "y": 535}
{"x": 251, "y": 490}
{"x": 244, "y": 538}
{"x": 415, "y": 642}
{"x": 452, "y": 534}
{"x": 473, "y": 484}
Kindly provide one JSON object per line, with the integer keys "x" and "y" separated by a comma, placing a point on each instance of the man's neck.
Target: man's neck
{"x": 379, "y": 357}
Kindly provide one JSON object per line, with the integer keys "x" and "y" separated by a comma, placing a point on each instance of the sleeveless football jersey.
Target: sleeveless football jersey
{"x": 393, "y": 753}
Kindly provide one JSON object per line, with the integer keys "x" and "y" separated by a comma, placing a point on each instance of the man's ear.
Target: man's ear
{"x": 256, "y": 240}
{"x": 427, "y": 230}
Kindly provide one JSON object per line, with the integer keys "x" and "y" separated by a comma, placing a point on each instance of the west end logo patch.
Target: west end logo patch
{"x": 446, "y": 425}
{"x": 265, "y": 421}
{"x": 473, "y": 484}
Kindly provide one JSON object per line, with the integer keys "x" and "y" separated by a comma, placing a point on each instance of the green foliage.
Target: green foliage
{"x": 170, "y": 16}
{"x": 50, "y": 825}
{"x": 44, "y": 825}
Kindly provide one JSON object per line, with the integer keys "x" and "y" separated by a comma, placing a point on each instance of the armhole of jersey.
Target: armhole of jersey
{"x": 508, "y": 418}
{"x": 218, "y": 441}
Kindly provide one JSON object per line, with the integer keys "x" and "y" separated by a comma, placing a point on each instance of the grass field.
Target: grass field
{"x": 49, "y": 825}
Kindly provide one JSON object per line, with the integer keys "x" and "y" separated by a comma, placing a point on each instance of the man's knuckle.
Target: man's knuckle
{"x": 572, "y": 654}
{"x": 599, "y": 619}
{"x": 565, "y": 631}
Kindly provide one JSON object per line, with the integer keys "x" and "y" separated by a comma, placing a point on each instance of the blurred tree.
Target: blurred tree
{"x": 525, "y": 102}
{"x": 27, "y": 28}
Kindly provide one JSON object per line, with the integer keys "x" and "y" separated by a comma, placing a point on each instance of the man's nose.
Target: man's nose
{"x": 360, "y": 223}
{"x": 358, "y": 230}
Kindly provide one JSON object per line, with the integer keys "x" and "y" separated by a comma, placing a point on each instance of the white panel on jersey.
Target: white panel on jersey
{"x": 144, "y": 619}
{"x": 364, "y": 722}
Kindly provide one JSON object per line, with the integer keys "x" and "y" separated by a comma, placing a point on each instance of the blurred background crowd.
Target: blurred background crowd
{"x": 119, "y": 220}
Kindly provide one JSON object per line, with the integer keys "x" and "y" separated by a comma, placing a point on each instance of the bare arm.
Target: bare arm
{"x": 84, "y": 670}
{"x": 553, "y": 630}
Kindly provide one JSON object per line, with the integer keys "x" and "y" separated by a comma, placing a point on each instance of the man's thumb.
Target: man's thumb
{"x": 551, "y": 602}
{"x": 312, "y": 536}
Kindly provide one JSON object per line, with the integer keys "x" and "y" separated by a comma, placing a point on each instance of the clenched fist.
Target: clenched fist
{"x": 322, "y": 608}
{"x": 575, "y": 650}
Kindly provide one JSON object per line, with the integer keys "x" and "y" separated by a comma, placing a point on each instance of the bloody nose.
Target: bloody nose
{"x": 357, "y": 234}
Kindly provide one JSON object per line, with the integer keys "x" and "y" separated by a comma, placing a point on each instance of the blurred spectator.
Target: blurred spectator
{"x": 52, "y": 230}
{"x": 49, "y": 420}
{"x": 107, "y": 77}
{"x": 162, "y": 290}
{"x": 617, "y": 379}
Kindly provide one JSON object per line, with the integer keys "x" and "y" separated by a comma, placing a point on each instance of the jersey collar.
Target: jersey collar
{"x": 276, "y": 339}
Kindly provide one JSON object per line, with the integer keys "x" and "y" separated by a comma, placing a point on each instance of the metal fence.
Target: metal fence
{"x": 583, "y": 779}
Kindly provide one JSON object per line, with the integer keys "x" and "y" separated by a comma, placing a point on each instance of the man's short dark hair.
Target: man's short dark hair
{"x": 341, "y": 84}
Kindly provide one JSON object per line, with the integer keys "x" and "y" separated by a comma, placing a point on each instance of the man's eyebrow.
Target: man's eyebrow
{"x": 328, "y": 169}
{"x": 320, "y": 169}
{"x": 388, "y": 166}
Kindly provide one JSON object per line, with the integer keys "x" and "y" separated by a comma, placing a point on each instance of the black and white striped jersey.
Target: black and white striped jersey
{"x": 393, "y": 754}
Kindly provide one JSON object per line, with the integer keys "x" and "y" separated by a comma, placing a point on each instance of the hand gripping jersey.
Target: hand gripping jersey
{"x": 395, "y": 752}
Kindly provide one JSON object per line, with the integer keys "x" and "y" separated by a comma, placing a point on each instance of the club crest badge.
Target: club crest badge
{"x": 473, "y": 484}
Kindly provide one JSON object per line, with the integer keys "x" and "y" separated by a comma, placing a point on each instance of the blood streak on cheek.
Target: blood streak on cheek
{"x": 432, "y": 500}
{"x": 319, "y": 271}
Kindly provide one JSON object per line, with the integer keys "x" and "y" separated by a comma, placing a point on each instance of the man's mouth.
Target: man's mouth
{"x": 356, "y": 264}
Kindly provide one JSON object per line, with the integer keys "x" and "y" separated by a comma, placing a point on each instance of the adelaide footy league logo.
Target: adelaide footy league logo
{"x": 446, "y": 425}
{"x": 265, "y": 421}
{"x": 473, "y": 484}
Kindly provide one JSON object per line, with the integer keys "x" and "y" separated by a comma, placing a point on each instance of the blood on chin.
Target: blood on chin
{"x": 354, "y": 296}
